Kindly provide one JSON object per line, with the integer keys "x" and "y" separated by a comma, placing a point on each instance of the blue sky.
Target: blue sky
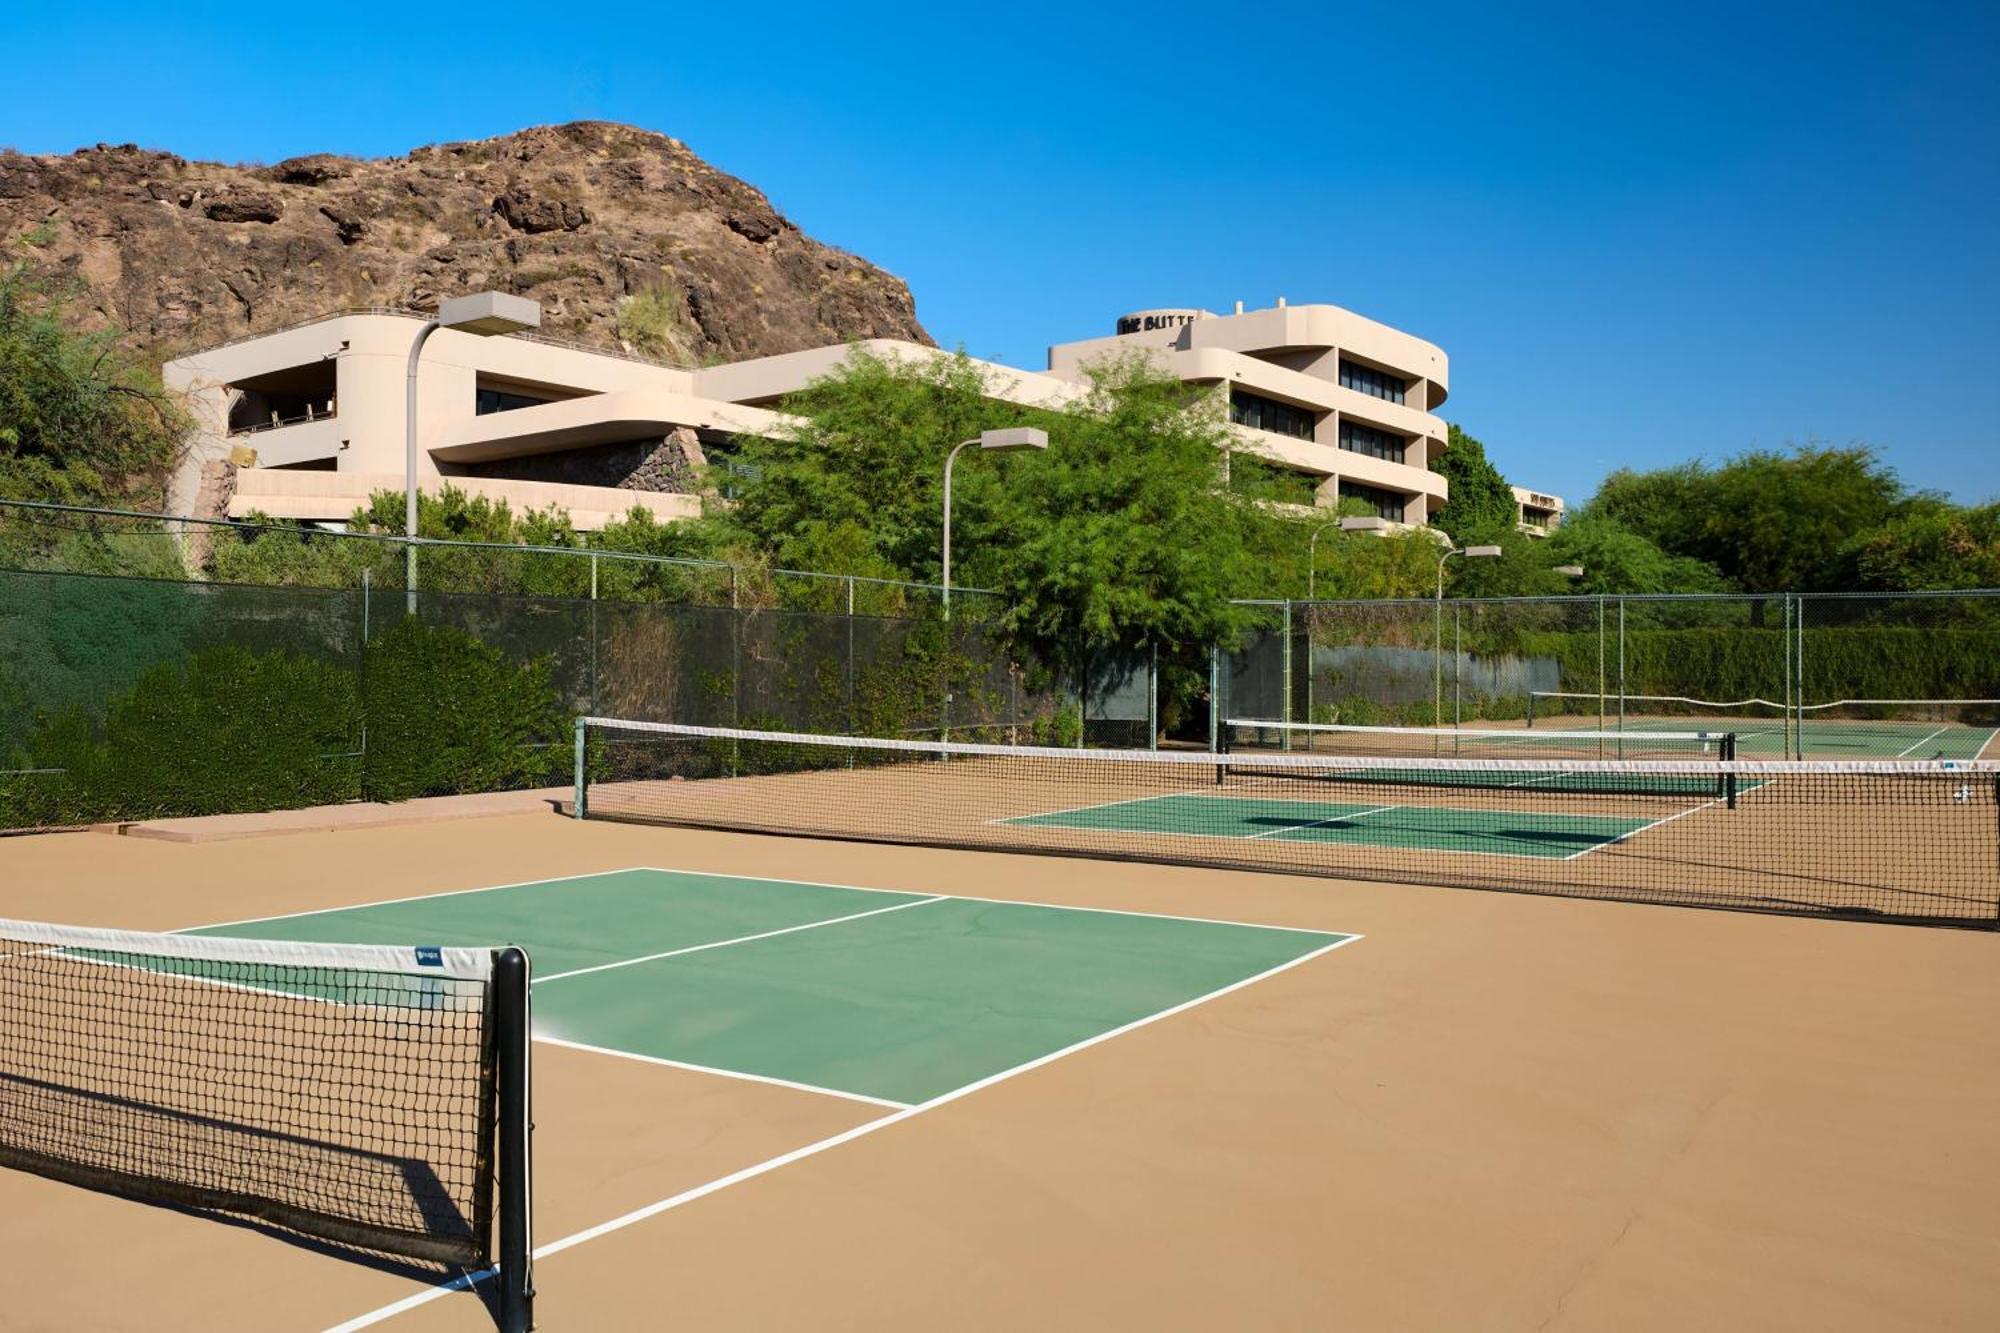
{"x": 1641, "y": 233}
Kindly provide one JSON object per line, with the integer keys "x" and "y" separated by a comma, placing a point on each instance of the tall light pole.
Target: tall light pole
{"x": 1437, "y": 623}
{"x": 484, "y": 314}
{"x": 1352, "y": 523}
{"x": 997, "y": 441}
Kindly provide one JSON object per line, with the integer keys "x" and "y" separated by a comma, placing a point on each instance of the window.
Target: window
{"x": 1260, "y": 413}
{"x": 1359, "y": 439}
{"x": 488, "y": 401}
{"x": 1375, "y": 383}
{"x": 1386, "y": 504}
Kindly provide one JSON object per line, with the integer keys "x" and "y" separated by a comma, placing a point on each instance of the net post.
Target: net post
{"x": 1728, "y": 792}
{"x": 577, "y": 805}
{"x": 515, "y": 1156}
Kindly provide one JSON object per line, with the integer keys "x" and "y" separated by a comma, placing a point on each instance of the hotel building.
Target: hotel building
{"x": 306, "y": 422}
{"x": 1538, "y": 514}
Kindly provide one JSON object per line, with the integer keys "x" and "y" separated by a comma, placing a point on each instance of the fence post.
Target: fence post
{"x": 1621, "y": 677}
{"x": 1215, "y": 700}
{"x": 1153, "y": 697}
{"x": 1600, "y": 663}
{"x": 853, "y": 723}
{"x": 1285, "y": 679}
{"x": 1457, "y": 667}
{"x": 1799, "y": 677}
{"x": 1785, "y": 673}
{"x": 735, "y": 672}
{"x": 593, "y": 632}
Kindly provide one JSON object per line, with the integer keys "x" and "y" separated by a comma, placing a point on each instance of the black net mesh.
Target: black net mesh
{"x": 1904, "y": 841}
{"x": 343, "y": 1093}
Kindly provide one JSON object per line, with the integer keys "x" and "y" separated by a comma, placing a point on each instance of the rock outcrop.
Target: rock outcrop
{"x": 624, "y": 235}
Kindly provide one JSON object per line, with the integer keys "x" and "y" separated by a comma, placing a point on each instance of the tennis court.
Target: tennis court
{"x": 885, "y": 997}
{"x": 1424, "y": 828}
{"x": 810, "y": 1083}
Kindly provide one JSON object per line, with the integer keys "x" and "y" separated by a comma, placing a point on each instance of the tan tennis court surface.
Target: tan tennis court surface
{"x": 787, "y": 1083}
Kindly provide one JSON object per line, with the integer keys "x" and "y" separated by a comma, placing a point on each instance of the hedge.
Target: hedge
{"x": 433, "y": 711}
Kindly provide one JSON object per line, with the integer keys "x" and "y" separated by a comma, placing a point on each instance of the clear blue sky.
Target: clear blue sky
{"x": 1641, "y": 233}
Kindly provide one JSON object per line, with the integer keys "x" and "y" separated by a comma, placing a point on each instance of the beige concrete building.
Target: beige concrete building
{"x": 1331, "y": 405}
{"x": 314, "y": 416}
{"x": 1539, "y": 514}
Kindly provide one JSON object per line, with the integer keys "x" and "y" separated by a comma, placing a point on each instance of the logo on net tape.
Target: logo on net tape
{"x": 430, "y": 955}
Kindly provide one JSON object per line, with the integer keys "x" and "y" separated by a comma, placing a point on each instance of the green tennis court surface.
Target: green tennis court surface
{"x": 1405, "y": 827}
{"x": 894, "y": 997}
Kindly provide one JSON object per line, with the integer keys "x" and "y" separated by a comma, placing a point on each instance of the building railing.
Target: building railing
{"x": 280, "y": 422}
{"x": 399, "y": 312}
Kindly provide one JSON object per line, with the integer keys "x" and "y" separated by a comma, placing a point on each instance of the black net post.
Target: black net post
{"x": 515, "y": 1129}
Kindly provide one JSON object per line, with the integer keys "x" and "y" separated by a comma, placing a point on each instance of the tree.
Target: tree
{"x": 80, "y": 421}
{"x": 854, "y": 485}
{"x": 1664, "y": 507}
{"x": 1928, "y": 545}
{"x": 1616, "y": 559}
{"x": 1770, "y": 522}
{"x": 1122, "y": 534}
{"x": 1481, "y": 502}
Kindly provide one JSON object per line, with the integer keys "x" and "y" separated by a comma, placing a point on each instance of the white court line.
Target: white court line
{"x": 688, "y": 1196}
{"x": 769, "y": 879}
{"x": 1631, "y": 833}
{"x": 1317, "y": 823}
{"x": 1100, "y": 805}
{"x": 740, "y": 939}
{"x": 719, "y": 1072}
{"x": 1933, "y": 736}
{"x": 1003, "y": 902}
{"x": 408, "y": 898}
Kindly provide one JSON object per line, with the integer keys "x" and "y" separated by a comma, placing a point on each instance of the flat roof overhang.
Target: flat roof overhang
{"x": 599, "y": 418}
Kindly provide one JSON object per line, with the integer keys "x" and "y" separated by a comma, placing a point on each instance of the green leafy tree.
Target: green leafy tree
{"x": 855, "y": 485}
{"x": 1770, "y": 522}
{"x": 1481, "y": 504}
{"x": 1930, "y": 545}
{"x": 81, "y": 422}
{"x": 1121, "y": 534}
{"x": 1616, "y": 559}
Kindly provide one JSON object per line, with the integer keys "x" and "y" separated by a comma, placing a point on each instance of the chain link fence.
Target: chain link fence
{"x": 1813, "y": 675}
{"x": 125, "y": 698}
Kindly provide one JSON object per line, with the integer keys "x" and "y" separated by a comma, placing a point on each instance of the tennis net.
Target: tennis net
{"x": 1249, "y": 738}
{"x": 370, "y": 1096}
{"x": 1908, "y": 841}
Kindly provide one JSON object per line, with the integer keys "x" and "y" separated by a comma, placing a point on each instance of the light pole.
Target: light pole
{"x": 997, "y": 441}
{"x": 1352, "y": 523}
{"x": 484, "y": 314}
{"x": 1437, "y": 624}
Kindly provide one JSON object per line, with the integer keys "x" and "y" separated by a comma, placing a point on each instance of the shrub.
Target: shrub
{"x": 449, "y": 713}
{"x": 228, "y": 730}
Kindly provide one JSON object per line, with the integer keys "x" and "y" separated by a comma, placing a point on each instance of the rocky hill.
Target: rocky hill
{"x": 625, "y": 237}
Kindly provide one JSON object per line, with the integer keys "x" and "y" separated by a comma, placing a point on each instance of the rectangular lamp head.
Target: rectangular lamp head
{"x": 488, "y": 313}
{"x": 1017, "y": 437}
